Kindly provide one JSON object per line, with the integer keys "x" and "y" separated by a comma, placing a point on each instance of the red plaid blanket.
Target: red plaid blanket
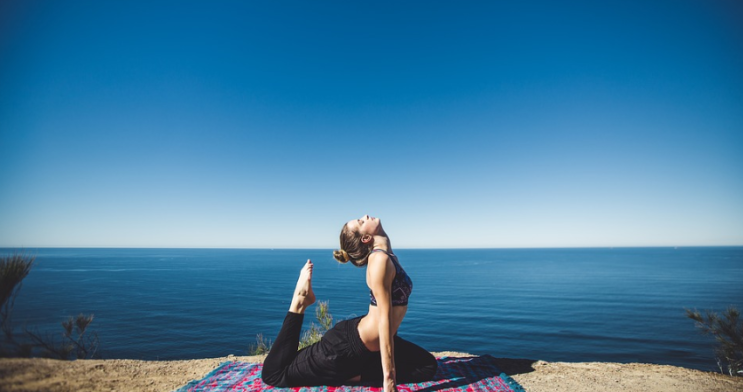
{"x": 468, "y": 374}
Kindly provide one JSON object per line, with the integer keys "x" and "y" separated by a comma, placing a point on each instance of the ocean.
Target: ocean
{"x": 615, "y": 305}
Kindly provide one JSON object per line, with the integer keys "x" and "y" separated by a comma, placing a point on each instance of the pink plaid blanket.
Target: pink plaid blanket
{"x": 468, "y": 374}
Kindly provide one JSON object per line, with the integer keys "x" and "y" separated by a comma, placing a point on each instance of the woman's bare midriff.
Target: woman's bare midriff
{"x": 369, "y": 325}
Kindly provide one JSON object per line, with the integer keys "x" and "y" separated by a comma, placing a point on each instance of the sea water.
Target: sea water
{"x": 618, "y": 305}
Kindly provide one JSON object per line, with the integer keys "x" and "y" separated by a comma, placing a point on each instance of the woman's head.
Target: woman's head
{"x": 357, "y": 240}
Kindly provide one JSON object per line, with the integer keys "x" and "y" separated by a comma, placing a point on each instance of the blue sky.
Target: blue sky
{"x": 270, "y": 124}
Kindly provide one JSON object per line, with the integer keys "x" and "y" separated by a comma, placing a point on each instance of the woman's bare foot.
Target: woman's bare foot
{"x": 303, "y": 295}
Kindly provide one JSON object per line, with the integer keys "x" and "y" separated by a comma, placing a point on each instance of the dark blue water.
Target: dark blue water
{"x": 619, "y": 305}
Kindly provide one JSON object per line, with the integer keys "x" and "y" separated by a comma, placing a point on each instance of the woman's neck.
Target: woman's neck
{"x": 382, "y": 242}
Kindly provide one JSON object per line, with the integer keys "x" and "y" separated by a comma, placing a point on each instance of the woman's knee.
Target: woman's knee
{"x": 430, "y": 366}
{"x": 426, "y": 367}
{"x": 419, "y": 370}
{"x": 272, "y": 378}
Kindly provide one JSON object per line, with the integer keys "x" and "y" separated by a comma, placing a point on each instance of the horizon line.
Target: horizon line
{"x": 405, "y": 248}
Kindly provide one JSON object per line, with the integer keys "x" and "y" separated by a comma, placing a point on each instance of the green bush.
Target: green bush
{"x": 727, "y": 330}
{"x": 315, "y": 333}
{"x": 260, "y": 347}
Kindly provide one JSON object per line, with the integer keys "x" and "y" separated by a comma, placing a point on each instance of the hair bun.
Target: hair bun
{"x": 341, "y": 256}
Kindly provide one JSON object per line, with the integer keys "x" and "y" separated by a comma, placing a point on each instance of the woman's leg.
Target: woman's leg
{"x": 331, "y": 361}
{"x": 284, "y": 349}
{"x": 412, "y": 364}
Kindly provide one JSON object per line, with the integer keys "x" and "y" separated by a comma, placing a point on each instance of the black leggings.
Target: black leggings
{"x": 338, "y": 357}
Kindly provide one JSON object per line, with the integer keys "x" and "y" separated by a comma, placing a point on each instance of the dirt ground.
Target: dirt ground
{"x": 123, "y": 375}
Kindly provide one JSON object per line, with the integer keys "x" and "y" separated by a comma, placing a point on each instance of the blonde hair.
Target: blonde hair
{"x": 352, "y": 248}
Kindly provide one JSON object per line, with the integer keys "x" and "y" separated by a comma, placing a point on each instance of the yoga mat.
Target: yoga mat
{"x": 467, "y": 374}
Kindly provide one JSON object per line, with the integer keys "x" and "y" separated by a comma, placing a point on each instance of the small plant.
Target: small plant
{"x": 76, "y": 344}
{"x": 315, "y": 333}
{"x": 309, "y": 337}
{"x": 261, "y": 346}
{"x": 727, "y": 329}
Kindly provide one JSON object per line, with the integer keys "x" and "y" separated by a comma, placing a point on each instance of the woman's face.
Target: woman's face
{"x": 366, "y": 225}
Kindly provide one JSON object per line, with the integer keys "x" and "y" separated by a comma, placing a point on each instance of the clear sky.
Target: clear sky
{"x": 459, "y": 124}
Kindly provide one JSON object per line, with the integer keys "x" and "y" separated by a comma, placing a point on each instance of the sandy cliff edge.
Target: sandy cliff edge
{"x": 36, "y": 374}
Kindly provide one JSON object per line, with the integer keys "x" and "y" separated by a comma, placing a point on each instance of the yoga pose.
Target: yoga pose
{"x": 365, "y": 348}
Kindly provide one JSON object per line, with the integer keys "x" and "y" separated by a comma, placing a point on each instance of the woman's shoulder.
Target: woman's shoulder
{"x": 379, "y": 263}
{"x": 380, "y": 255}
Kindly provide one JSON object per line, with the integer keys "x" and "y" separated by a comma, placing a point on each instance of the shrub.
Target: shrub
{"x": 261, "y": 346}
{"x": 315, "y": 333}
{"x": 728, "y": 332}
{"x": 76, "y": 342}
{"x": 13, "y": 269}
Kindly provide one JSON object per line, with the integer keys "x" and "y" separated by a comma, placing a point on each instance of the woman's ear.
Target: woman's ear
{"x": 366, "y": 238}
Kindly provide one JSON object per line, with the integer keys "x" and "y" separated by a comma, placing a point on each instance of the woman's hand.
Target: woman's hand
{"x": 390, "y": 385}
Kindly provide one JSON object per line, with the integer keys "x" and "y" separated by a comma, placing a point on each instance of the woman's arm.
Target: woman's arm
{"x": 380, "y": 282}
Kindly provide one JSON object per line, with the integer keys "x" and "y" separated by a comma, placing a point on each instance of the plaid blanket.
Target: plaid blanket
{"x": 468, "y": 374}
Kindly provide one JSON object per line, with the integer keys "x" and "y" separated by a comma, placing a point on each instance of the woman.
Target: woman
{"x": 366, "y": 348}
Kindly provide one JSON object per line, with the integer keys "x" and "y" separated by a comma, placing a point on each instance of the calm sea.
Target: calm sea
{"x": 619, "y": 305}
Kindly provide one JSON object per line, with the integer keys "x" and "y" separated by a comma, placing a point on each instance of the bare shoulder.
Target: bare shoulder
{"x": 378, "y": 266}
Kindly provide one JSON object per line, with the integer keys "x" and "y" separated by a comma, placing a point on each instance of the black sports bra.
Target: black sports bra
{"x": 402, "y": 285}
